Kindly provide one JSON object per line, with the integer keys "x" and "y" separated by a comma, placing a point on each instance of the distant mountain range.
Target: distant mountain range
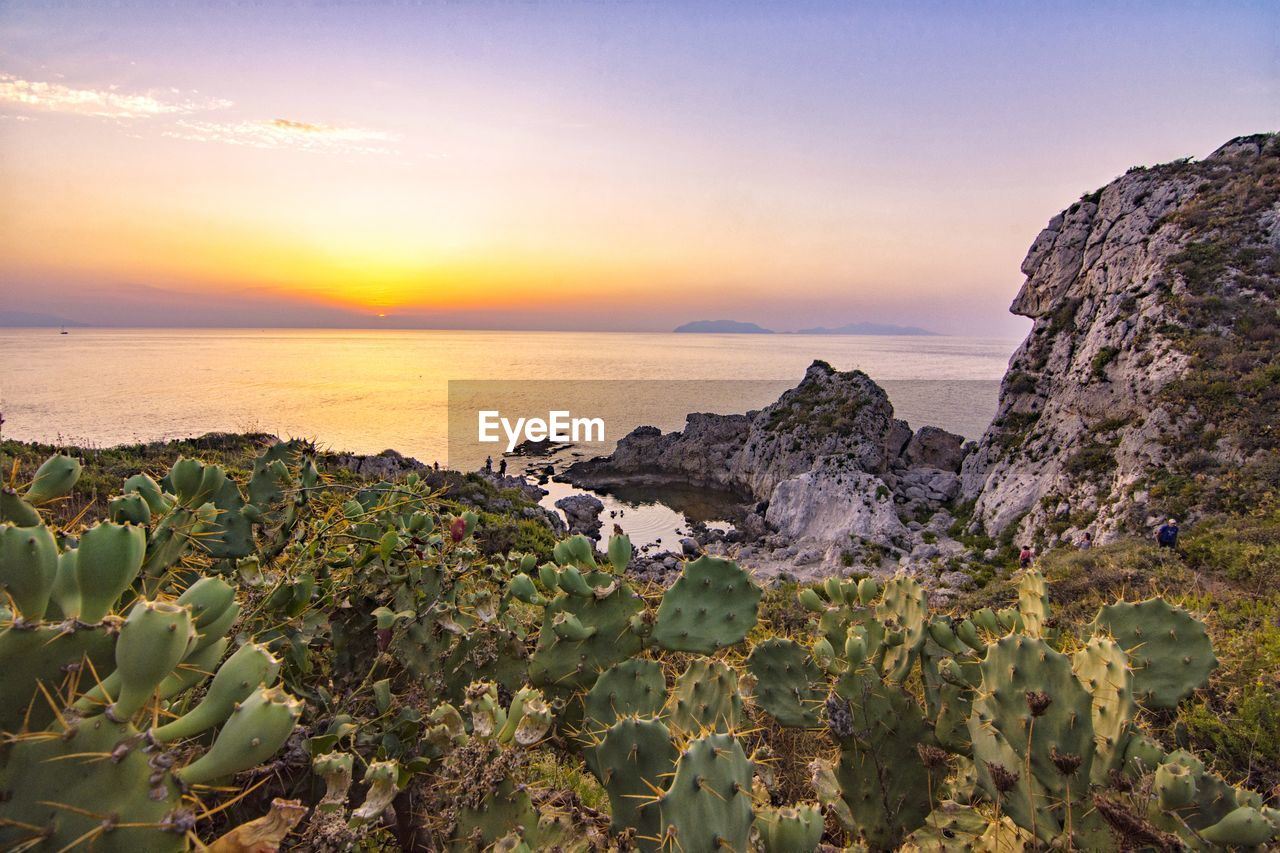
{"x": 724, "y": 327}
{"x": 737, "y": 327}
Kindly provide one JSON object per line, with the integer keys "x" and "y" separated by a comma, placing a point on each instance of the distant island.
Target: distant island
{"x": 724, "y": 327}
{"x": 867, "y": 329}
{"x": 737, "y": 327}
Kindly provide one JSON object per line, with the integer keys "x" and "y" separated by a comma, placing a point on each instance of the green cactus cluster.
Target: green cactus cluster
{"x": 113, "y": 668}
{"x": 150, "y": 656}
{"x": 1040, "y": 734}
{"x": 85, "y": 737}
{"x": 1169, "y": 651}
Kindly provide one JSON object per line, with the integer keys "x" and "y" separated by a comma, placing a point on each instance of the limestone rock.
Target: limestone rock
{"x": 832, "y": 504}
{"x": 1085, "y": 421}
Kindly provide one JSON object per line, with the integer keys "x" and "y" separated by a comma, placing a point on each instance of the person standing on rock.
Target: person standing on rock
{"x": 1167, "y": 535}
{"x": 1025, "y": 557}
{"x": 488, "y": 464}
{"x": 502, "y": 467}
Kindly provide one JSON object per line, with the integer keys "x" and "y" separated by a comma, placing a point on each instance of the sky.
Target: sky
{"x": 585, "y": 165}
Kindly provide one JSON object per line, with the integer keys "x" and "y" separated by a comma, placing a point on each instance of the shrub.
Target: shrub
{"x": 1093, "y": 459}
{"x": 1103, "y": 357}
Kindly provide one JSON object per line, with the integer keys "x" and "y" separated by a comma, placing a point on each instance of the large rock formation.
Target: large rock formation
{"x": 1149, "y": 386}
{"x": 828, "y": 466}
{"x": 1151, "y": 370}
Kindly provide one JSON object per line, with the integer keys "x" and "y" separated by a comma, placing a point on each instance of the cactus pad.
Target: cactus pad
{"x": 635, "y": 759}
{"x": 1169, "y": 650}
{"x": 632, "y": 688}
{"x": 790, "y": 829}
{"x": 707, "y": 807}
{"x": 1030, "y": 716}
{"x": 710, "y": 606}
{"x": 63, "y": 786}
{"x": 1103, "y": 668}
{"x": 1033, "y": 602}
{"x": 705, "y": 698}
{"x": 902, "y": 603}
{"x": 789, "y": 685}
{"x": 883, "y": 779}
{"x": 564, "y": 664}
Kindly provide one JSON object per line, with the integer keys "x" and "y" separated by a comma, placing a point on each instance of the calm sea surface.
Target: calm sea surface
{"x": 366, "y": 391}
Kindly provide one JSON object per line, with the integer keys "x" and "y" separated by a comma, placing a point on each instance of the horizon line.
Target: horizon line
{"x": 339, "y": 328}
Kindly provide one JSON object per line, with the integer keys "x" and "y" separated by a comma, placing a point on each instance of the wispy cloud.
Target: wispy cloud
{"x": 102, "y": 103}
{"x": 285, "y": 133}
{"x": 177, "y": 110}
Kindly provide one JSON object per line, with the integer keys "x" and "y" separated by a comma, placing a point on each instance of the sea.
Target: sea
{"x": 369, "y": 390}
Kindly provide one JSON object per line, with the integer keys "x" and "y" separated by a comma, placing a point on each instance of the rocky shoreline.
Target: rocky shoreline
{"x": 830, "y": 480}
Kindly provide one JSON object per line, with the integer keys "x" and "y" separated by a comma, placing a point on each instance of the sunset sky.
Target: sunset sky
{"x": 603, "y": 165}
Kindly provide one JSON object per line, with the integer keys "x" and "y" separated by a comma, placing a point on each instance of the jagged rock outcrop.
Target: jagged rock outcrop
{"x": 582, "y": 512}
{"x": 1145, "y": 377}
{"x": 829, "y": 414}
{"x": 702, "y": 455}
{"x": 932, "y": 447}
{"x": 828, "y": 466}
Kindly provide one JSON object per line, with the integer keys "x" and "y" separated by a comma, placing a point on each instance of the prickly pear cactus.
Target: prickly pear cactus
{"x": 789, "y": 685}
{"x": 1032, "y": 720}
{"x": 57, "y": 784}
{"x": 710, "y": 606}
{"x": 1169, "y": 650}
{"x": 635, "y": 687}
{"x": 840, "y": 621}
{"x": 958, "y": 828}
{"x": 508, "y": 810}
{"x": 790, "y": 829}
{"x": 60, "y": 788}
{"x": 902, "y": 608}
{"x": 957, "y": 682}
{"x": 1213, "y": 798}
{"x": 635, "y": 758}
{"x": 1103, "y": 668}
{"x": 1033, "y": 602}
{"x": 707, "y": 807}
{"x": 86, "y": 689}
{"x": 705, "y": 698}
{"x": 884, "y": 779}
{"x": 53, "y": 480}
{"x": 585, "y": 632}
{"x": 1243, "y": 827}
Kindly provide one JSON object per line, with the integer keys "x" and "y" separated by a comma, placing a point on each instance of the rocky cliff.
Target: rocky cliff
{"x": 1150, "y": 382}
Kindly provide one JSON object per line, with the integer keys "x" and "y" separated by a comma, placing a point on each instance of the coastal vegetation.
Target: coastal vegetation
{"x": 335, "y": 661}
